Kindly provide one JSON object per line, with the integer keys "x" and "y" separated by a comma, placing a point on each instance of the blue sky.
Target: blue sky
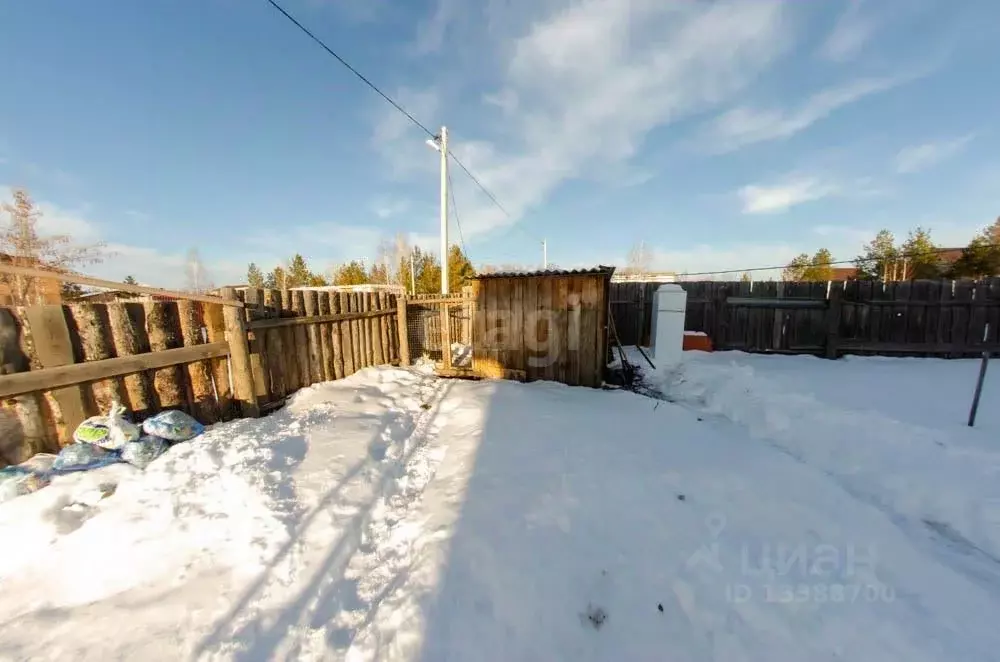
{"x": 722, "y": 134}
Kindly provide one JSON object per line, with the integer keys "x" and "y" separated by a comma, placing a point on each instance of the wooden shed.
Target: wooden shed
{"x": 550, "y": 325}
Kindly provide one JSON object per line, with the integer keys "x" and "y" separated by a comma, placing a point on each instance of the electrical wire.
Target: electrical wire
{"x": 458, "y": 221}
{"x": 823, "y": 264}
{"x": 351, "y": 69}
{"x": 394, "y": 104}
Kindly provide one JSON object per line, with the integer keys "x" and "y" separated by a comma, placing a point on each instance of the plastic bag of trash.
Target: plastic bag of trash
{"x": 112, "y": 431}
{"x": 172, "y": 425}
{"x": 81, "y": 457}
{"x": 19, "y": 480}
{"x": 140, "y": 453}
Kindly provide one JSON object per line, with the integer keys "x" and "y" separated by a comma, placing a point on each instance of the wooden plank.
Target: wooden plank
{"x": 601, "y": 352}
{"x": 336, "y": 343}
{"x": 961, "y": 315}
{"x": 378, "y": 351}
{"x": 91, "y": 330}
{"x": 534, "y": 356}
{"x": 833, "y": 314}
{"x": 573, "y": 330}
{"x": 23, "y": 427}
{"x": 274, "y": 346}
{"x": 404, "y": 341}
{"x": 347, "y": 334}
{"x": 560, "y": 323}
{"x": 326, "y": 336}
{"x": 588, "y": 332}
{"x": 445, "y": 335}
{"x": 546, "y": 312}
{"x": 515, "y": 332}
{"x": 239, "y": 359}
{"x": 366, "y": 338}
{"x": 54, "y": 348}
{"x": 215, "y": 324}
{"x": 163, "y": 329}
{"x": 90, "y": 371}
{"x": 302, "y": 340}
{"x": 254, "y": 299}
{"x": 128, "y": 334}
{"x": 65, "y": 277}
{"x": 199, "y": 377}
{"x": 383, "y": 322}
{"x": 289, "y": 341}
{"x": 311, "y": 303}
{"x": 357, "y": 339}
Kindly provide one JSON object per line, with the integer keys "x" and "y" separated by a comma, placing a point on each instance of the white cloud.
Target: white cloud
{"x": 744, "y": 125}
{"x": 387, "y": 208}
{"x": 850, "y": 34}
{"x": 920, "y": 157}
{"x": 580, "y": 84}
{"x": 758, "y": 199}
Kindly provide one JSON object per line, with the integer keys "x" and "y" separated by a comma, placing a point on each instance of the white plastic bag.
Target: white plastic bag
{"x": 111, "y": 432}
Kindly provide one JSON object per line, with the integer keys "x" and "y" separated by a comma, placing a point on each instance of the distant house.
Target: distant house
{"x": 845, "y": 273}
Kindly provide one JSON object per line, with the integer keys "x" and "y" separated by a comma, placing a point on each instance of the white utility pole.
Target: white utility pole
{"x": 545, "y": 254}
{"x": 443, "y": 148}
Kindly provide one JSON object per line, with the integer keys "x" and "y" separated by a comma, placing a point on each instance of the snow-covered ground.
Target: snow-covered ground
{"x": 776, "y": 511}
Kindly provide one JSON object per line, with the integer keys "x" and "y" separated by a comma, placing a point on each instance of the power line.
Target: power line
{"x": 350, "y": 68}
{"x": 394, "y": 104}
{"x": 823, "y": 264}
{"x": 458, "y": 222}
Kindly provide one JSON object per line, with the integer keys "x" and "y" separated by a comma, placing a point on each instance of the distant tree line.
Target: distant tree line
{"x": 883, "y": 258}
{"x": 396, "y": 263}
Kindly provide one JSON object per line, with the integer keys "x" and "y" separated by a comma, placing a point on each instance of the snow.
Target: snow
{"x": 397, "y": 516}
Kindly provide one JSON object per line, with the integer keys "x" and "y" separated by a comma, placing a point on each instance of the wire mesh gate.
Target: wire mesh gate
{"x": 426, "y": 332}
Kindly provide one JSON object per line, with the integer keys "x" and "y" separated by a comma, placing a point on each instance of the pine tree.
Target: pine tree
{"x": 21, "y": 243}
{"x": 379, "y": 273}
{"x": 298, "y": 272}
{"x": 745, "y": 277}
{"x": 879, "y": 257}
{"x": 428, "y": 272}
{"x": 255, "y": 278}
{"x": 460, "y": 269}
{"x": 820, "y": 267}
{"x": 130, "y": 280}
{"x": 981, "y": 258}
{"x": 352, "y": 273}
{"x": 919, "y": 256}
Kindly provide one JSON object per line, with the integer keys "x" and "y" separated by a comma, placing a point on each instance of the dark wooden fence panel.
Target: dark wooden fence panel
{"x": 924, "y": 318}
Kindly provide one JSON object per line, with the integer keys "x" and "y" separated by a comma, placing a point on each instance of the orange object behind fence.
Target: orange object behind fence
{"x": 697, "y": 340}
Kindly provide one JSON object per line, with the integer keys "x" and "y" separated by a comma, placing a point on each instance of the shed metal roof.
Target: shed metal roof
{"x": 596, "y": 271}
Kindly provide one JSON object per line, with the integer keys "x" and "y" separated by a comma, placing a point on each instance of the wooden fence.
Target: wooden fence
{"x": 216, "y": 361}
{"x": 925, "y": 317}
{"x": 302, "y": 337}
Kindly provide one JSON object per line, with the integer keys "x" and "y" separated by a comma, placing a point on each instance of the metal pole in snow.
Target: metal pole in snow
{"x": 979, "y": 382}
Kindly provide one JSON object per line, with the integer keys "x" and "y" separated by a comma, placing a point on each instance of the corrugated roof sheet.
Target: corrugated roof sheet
{"x": 599, "y": 270}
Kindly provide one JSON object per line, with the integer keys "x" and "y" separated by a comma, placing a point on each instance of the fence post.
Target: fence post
{"x": 239, "y": 357}
{"x": 833, "y": 311}
{"x": 404, "y": 340}
{"x": 445, "y": 335}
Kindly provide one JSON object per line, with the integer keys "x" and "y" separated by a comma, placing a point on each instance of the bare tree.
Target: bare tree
{"x": 22, "y": 246}
{"x": 196, "y": 277}
{"x": 640, "y": 260}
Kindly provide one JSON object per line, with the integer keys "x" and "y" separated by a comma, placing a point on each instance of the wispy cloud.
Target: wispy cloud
{"x": 745, "y": 125}
{"x": 758, "y": 199}
{"x": 851, "y": 32}
{"x": 580, "y": 85}
{"x": 920, "y": 157}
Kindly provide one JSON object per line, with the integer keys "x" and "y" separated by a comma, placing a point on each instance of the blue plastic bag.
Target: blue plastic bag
{"x": 81, "y": 457}
{"x": 20, "y": 480}
{"x": 140, "y": 453}
{"x": 173, "y": 426}
{"x": 112, "y": 431}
